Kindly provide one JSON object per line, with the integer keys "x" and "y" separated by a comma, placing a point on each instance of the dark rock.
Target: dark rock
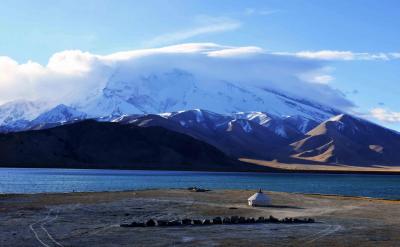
{"x": 260, "y": 220}
{"x": 295, "y": 220}
{"x": 309, "y": 220}
{"x": 234, "y": 219}
{"x": 233, "y": 208}
{"x": 217, "y": 220}
{"x": 137, "y": 224}
{"x": 174, "y": 223}
{"x": 197, "y": 222}
{"x": 250, "y": 220}
{"x": 287, "y": 220}
{"x": 195, "y": 189}
{"x": 300, "y": 221}
{"x": 273, "y": 219}
{"x": 186, "y": 221}
{"x": 242, "y": 220}
{"x": 151, "y": 222}
{"x": 133, "y": 224}
{"x": 206, "y": 222}
{"x": 226, "y": 220}
{"x": 162, "y": 222}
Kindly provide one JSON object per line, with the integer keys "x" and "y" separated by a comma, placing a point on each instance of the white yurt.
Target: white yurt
{"x": 259, "y": 199}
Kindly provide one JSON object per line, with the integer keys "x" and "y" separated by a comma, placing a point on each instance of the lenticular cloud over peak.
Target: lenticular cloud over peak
{"x": 73, "y": 76}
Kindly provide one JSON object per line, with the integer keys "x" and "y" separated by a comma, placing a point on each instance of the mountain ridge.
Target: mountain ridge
{"x": 340, "y": 140}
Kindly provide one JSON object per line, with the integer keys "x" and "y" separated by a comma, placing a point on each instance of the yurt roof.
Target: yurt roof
{"x": 258, "y": 196}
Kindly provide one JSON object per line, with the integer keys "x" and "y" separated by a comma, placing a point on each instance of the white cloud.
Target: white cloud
{"x": 253, "y": 11}
{"x": 206, "y": 25}
{"x": 342, "y": 55}
{"x": 385, "y": 115}
{"x": 326, "y": 55}
{"x": 74, "y": 75}
{"x": 323, "y": 79}
{"x": 395, "y": 55}
{"x": 236, "y": 52}
{"x": 321, "y": 76}
{"x": 71, "y": 62}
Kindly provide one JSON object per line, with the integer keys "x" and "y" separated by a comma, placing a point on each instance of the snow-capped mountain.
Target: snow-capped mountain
{"x": 177, "y": 90}
{"x": 154, "y": 92}
{"x": 253, "y": 134}
{"x": 16, "y": 115}
{"x": 237, "y": 137}
{"x": 59, "y": 114}
{"x": 286, "y": 126}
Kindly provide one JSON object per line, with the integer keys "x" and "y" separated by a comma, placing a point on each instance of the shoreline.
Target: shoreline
{"x": 338, "y": 196}
{"x": 269, "y": 170}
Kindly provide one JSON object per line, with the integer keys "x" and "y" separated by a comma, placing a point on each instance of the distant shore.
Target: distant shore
{"x": 325, "y": 168}
{"x": 259, "y": 166}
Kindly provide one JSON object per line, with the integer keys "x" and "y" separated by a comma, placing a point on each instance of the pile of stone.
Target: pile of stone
{"x": 196, "y": 189}
{"x": 218, "y": 221}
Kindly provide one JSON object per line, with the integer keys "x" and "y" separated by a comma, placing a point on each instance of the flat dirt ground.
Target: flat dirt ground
{"x": 92, "y": 219}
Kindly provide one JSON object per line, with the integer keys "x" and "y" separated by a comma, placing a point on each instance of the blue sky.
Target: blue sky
{"x": 35, "y": 30}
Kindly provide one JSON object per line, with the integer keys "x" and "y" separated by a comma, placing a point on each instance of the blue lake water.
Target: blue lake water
{"x": 36, "y": 180}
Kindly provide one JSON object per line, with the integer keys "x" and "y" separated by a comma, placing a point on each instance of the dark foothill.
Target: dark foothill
{"x": 217, "y": 221}
{"x": 309, "y": 220}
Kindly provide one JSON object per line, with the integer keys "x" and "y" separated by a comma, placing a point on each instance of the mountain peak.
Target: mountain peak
{"x": 59, "y": 114}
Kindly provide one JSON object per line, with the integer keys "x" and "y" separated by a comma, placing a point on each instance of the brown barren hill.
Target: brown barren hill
{"x": 348, "y": 140}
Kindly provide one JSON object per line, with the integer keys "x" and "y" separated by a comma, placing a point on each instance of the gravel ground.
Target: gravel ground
{"x": 92, "y": 219}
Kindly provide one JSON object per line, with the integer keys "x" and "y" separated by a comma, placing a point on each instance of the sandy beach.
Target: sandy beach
{"x": 93, "y": 219}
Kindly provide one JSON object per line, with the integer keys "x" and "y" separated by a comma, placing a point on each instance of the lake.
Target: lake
{"x": 36, "y": 180}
